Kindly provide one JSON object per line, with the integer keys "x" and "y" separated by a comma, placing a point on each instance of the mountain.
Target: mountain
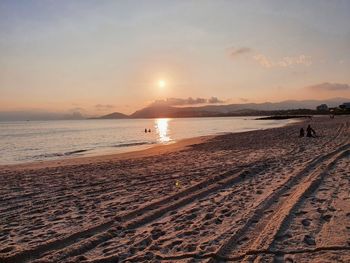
{"x": 155, "y": 110}
{"x": 163, "y": 110}
{"x": 159, "y": 110}
{"x": 272, "y": 106}
{"x": 114, "y": 115}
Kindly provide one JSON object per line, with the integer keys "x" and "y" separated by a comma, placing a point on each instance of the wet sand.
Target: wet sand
{"x": 260, "y": 196}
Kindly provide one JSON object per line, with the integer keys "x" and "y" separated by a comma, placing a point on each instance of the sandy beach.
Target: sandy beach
{"x": 259, "y": 196}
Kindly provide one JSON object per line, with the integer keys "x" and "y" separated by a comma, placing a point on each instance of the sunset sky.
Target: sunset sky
{"x": 104, "y": 56}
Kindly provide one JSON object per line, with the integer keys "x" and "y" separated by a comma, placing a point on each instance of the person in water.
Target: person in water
{"x": 149, "y": 130}
{"x": 145, "y": 130}
{"x": 302, "y": 133}
{"x": 310, "y": 132}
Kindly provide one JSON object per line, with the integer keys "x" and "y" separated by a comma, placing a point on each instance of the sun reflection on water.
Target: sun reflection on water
{"x": 162, "y": 129}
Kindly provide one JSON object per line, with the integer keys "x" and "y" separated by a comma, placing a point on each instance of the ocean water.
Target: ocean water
{"x": 30, "y": 141}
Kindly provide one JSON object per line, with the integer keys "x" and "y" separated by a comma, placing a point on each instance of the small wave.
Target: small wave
{"x": 75, "y": 152}
{"x": 52, "y": 155}
{"x": 47, "y": 155}
{"x": 132, "y": 144}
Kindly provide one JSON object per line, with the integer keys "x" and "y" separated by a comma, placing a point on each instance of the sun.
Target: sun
{"x": 161, "y": 83}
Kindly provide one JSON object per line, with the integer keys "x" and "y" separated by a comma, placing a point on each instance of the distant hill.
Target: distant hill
{"x": 271, "y": 106}
{"x": 159, "y": 111}
{"x": 114, "y": 115}
{"x": 156, "y": 111}
{"x": 163, "y": 110}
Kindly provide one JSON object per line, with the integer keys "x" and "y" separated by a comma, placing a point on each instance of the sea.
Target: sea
{"x": 30, "y": 141}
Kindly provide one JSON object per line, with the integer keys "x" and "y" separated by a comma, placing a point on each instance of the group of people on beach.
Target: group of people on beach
{"x": 149, "y": 130}
{"x": 309, "y": 132}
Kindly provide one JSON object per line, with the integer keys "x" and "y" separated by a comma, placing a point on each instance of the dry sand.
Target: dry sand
{"x": 261, "y": 196}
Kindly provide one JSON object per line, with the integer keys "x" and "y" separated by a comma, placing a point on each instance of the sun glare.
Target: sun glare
{"x": 162, "y": 129}
{"x": 161, "y": 83}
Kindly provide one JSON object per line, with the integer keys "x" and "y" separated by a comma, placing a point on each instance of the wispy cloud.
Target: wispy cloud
{"x": 267, "y": 62}
{"x": 263, "y": 61}
{"x": 76, "y": 109}
{"x": 188, "y": 101}
{"x": 214, "y": 100}
{"x": 326, "y": 86}
{"x": 284, "y": 62}
{"x": 104, "y": 107}
{"x": 234, "y": 52}
{"x": 244, "y": 99}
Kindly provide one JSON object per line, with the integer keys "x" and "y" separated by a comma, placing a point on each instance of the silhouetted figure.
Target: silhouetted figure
{"x": 302, "y": 133}
{"x": 149, "y": 130}
{"x": 145, "y": 130}
{"x": 310, "y": 132}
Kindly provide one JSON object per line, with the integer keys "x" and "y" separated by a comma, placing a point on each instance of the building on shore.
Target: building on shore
{"x": 345, "y": 106}
{"x": 322, "y": 107}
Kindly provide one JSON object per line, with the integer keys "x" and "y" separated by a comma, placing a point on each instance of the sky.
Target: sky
{"x": 102, "y": 56}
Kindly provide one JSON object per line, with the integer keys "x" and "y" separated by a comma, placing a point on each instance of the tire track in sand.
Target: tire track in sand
{"x": 193, "y": 255}
{"x": 89, "y": 238}
{"x": 261, "y": 228}
{"x": 149, "y": 213}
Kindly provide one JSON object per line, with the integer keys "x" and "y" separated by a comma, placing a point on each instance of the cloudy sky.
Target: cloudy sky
{"x": 103, "y": 56}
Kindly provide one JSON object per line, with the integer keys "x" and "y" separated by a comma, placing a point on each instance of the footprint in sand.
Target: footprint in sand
{"x": 284, "y": 236}
{"x": 7, "y": 249}
{"x": 157, "y": 233}
{"x": 288, "y": 260}
{"x": 309, "y": 240}
{"x": 306, "y": 222}
{"x": 242, "y": 240}
{"x": 332, "y": 208}
{"x": 327, "y": 217}
{"x": 191, "y": 216}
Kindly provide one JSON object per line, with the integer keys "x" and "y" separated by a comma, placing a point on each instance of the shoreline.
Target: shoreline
{"x": 134, "y": 153}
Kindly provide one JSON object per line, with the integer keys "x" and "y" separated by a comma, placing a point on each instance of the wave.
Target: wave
{"x": 51, "y": 155}
{"x": 75, "y": 152}
{"x": 133, "y": 144}
{"x": 55, "y": 155}
{"x": 47, "y": 155}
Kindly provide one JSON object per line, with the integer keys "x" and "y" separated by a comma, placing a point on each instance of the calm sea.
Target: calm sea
{"x": 29, "y": 141}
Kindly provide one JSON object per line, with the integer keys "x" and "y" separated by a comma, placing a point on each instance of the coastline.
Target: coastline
{"x": 37, "y": 148}
{"x": 134, "y": 153}
{"x": 258, "y": 195}
{"x": 74, "y": 160}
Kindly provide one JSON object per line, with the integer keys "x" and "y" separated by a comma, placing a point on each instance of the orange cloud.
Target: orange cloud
{"x": 326, "y": 86}
{"x": 283, "y": 62}
{"x": 188, "y": 101}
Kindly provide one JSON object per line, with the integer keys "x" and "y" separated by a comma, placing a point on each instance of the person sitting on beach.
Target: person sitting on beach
{"x": 149, "y": 130}
{"x": 310, "y": 132}
{"x": 302, "y": 133}
{"x": 145, "y": 130}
